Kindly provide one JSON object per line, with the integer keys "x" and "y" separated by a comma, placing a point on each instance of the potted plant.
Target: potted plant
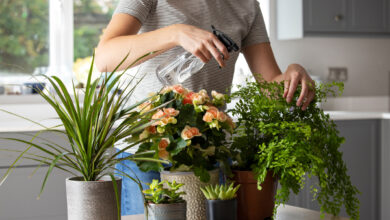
{"x": 92, "y": 124}
{"x": 221, "y": 201}
{"x": 278, "y": 142}
{"x": 165, "y": 202}
{"x": 191, "y": 136}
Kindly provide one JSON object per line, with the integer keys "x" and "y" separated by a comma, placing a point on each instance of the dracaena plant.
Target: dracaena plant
{"x": 92, "y": 124}
{"x": 191, "y": 133}
{"x": 160, "y": 194}
{"x": 277, "y": 136}
{"x": 220, "y": 192}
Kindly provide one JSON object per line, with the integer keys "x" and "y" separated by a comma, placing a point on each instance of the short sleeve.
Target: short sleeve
{"x": 137, "y": 8}
{"x": 258, "y": 32}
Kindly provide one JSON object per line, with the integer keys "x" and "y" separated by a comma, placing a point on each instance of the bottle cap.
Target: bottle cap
{"x": 226, "y": 40}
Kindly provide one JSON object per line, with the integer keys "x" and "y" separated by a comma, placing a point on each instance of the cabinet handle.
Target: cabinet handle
{"x": 338, "y": 18}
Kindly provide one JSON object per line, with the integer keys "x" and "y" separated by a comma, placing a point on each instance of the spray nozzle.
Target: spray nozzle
{"x": 226, "y": 40}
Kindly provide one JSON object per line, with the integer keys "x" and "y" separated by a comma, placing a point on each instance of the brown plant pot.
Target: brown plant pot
{"x": 254, "y": 204}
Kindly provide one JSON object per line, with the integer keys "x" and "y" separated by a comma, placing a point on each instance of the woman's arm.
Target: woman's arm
{"x": 120, "y": 38}
{"x": 261, "y": 60}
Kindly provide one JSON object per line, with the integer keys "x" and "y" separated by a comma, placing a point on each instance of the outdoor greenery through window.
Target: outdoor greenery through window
{"x": 24, "y": 32}
{"x": 90, "y": 18}
{"x": 24, "y": 35}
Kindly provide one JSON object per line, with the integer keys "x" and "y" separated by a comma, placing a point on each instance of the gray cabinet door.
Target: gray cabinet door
{"x": 325, "y": 15}
{"x": 367, "y": 16}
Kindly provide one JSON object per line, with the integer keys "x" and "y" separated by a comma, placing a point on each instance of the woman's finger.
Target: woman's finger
{"x": 201, "y": 56}
{"x": 310, "y": 97}
{"x": 221, "y": 47}
{"x": 292, "y": 88}
{"x": 213, "y": 50}
{"x": 286, "y": 86}
{"x": 304, "y": 92}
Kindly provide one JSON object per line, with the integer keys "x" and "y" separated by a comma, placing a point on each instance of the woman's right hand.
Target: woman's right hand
{"x": 201, "y": 43}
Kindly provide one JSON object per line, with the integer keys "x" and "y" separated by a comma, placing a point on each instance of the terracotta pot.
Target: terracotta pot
{"x": 254, "y": 204}
{"x": 196, "y": 202}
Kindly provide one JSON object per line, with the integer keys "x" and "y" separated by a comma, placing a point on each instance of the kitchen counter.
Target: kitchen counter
{"x": 284, "y": 213}
{"x": 44, "y": 114}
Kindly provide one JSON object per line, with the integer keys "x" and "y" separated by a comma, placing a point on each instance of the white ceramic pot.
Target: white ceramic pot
{"x": 196, "y": 202}
{"x": 92, "y": 200}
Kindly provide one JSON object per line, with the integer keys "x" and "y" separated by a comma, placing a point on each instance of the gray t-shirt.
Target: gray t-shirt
{"x": 239, "y": 19}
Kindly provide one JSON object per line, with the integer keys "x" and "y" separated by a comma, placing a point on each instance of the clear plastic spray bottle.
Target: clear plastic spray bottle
{"x": 182, "y": 66}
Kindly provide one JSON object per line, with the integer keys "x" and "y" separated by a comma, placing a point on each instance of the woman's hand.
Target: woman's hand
{"x": 201, "y": 43}
{"x": 294, "y": 75}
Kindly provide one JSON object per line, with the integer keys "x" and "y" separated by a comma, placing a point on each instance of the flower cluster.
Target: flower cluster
{"x": 188, "y": 131}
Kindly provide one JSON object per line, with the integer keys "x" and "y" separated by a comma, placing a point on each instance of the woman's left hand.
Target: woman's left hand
{"x": 294, "y": 75}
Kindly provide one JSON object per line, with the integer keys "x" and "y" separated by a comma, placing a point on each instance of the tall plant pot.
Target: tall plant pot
{"x": 222, "y": 209}
{"x": 175, "y": 211}
{"x": 254, "y": 204}
{"x": 196, "y": 202}
{"x": 92, "y": 200}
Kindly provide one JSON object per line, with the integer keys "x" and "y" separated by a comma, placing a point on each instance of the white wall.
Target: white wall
{"x": 367, "y": 59}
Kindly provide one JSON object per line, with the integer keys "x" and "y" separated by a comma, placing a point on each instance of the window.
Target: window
{"x": 90, "y": 18}
{"x": 24, "y": 35}
{"x": 37, "y": 36}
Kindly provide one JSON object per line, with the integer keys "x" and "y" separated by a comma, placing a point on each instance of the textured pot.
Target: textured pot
{"x": 175, "y": 211}
{"x": 196, "y": 202}
{"x": 222, "y": 209}
{"x": 92, "y": 200}
{"x": 254, "y": 204}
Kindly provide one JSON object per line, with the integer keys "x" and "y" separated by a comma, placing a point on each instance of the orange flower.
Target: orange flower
{"x": 188, "y": 98}
{"x": 144, "y": 107}
{"x": 214, "y": 111}
{"x": 190, "y": 132}
{"x": 208, "y": 117}
{"x": 151, "y": 129}
{"x": 221, "y": 117}
{"x": 163, "y": 154}
{"x": 171, "y": 112}
{"x": 164, "y": 143}
{"x": 158, "y": 115}
{"x": 166, "y": 89}
{"x": 230, "y": 122}
{"x": 179, "y": 89}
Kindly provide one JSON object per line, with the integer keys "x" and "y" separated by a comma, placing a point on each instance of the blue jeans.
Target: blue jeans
{"x": 131, "y": 202}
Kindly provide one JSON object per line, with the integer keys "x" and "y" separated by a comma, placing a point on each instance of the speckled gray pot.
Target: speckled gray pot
{"x": 92, "y": 200}
{"x": 176, "y": 211}
{"x": 196, "y": 202}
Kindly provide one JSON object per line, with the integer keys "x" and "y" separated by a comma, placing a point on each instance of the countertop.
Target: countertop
{"x": 45, "y": 115}
{"x": 284, "y": 213}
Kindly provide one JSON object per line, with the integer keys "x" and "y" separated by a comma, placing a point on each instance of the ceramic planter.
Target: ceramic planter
{"x": 222, "y": 209}
{"x": 175, "y": 211}
{"x": 254, "y": 204}
{"x": 92, "y": 200}
{"x": 196, "y": 202}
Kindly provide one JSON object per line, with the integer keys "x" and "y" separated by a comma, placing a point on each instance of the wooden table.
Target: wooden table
{"x": 284, "y": 213}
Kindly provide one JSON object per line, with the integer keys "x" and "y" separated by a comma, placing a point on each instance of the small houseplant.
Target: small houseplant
{"x": 92, "y": 125}
{"x": 165, "y": 202}
{"x": 221, "y": 201}
{"x": 191, "y": 135}
{"x": 277, "y": 140}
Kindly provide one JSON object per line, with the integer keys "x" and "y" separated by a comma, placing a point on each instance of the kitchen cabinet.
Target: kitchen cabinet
{"x": 332, "y": 18}
{"x": 18, "y": 195}
{"x": 368, "y": 16}
{"x": 325, "y": 15}
{"x": 362, "y": 155}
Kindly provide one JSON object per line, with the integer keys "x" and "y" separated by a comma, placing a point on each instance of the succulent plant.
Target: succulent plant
{"x": 220, "y": 192}
{"x": 158, "y": 194}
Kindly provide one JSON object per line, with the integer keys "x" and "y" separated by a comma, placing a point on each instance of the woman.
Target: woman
{"x": 142, "y": 26}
